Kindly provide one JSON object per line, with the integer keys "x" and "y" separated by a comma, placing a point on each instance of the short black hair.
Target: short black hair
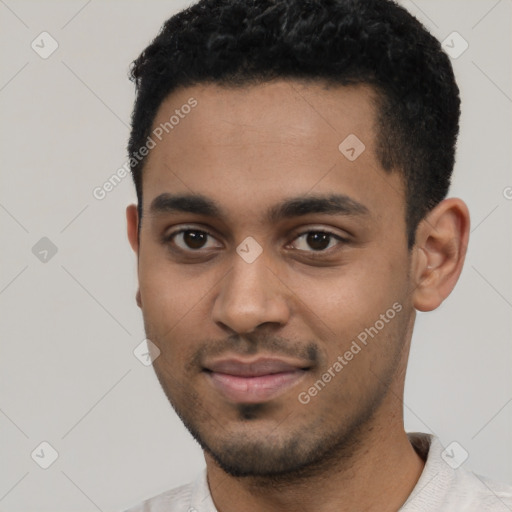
{"x": 236, "y": 43}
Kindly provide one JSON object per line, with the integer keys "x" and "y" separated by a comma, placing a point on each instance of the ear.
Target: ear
{"x": 439, "y": 253}
{"x": 132, "y": 226}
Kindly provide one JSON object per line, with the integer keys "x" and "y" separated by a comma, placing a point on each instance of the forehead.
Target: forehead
{"x": 284, "y": 112}
{"x": 256, "y": 144}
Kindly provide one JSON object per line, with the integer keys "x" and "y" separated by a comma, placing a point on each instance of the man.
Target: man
{"x": 292, "y": 161}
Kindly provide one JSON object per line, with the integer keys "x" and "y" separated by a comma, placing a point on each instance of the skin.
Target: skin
{"x": 250, "y": 149}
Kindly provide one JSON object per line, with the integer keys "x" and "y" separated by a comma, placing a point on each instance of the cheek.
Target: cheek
{"x": 345, "y": 307}
{"x": 176, "y": 306}
{"x": 168, "y": 291}
{"x": 166, "y": 297}
{"x": 351, "y": 294}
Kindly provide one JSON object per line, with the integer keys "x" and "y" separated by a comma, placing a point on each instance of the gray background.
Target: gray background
{"x": 70, "y": 324}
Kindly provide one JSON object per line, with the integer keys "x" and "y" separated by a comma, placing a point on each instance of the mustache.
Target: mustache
{"x": 251, "y": 344}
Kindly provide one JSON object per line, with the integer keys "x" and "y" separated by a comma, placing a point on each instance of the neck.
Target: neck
{"x": 379, "y": 476}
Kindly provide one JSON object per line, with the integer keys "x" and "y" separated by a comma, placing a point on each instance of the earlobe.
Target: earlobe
{"x": 439, "y": 253}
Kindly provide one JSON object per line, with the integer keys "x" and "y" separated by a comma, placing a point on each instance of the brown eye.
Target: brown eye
{"x": 191, "y": 239}
{"x": 317, "y": 241}
{"x": 194, "y": 239}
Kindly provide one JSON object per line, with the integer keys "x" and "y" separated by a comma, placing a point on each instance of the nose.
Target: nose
{"x": 250, "y": 295}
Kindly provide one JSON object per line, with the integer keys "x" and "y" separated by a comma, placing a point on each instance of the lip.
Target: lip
{"x": 254, "y": 381}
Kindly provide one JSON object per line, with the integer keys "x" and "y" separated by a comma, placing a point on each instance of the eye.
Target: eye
{"x": 190, "y": 239}
{"x": 195, "y": 240}
{"x": 318, "y": 241}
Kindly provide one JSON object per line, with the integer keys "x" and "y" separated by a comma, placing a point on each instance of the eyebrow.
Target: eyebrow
{"x": 333, "y": 204}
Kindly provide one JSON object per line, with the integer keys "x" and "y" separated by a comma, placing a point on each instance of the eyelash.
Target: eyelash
{"x": 168, "y": 239}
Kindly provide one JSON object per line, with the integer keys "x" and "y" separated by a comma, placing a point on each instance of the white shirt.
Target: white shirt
{"x": 441, "y": 488}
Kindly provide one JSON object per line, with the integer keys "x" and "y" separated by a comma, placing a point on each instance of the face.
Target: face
{"x": 274, "y": 272}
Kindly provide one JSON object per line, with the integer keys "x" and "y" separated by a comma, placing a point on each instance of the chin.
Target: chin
{"x": 262, "y": 458}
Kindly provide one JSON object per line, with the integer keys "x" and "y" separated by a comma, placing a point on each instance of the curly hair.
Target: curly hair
{"x": 236, "y": 43}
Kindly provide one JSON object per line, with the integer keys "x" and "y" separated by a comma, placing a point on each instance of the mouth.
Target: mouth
{"x": 254, "y": 381}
